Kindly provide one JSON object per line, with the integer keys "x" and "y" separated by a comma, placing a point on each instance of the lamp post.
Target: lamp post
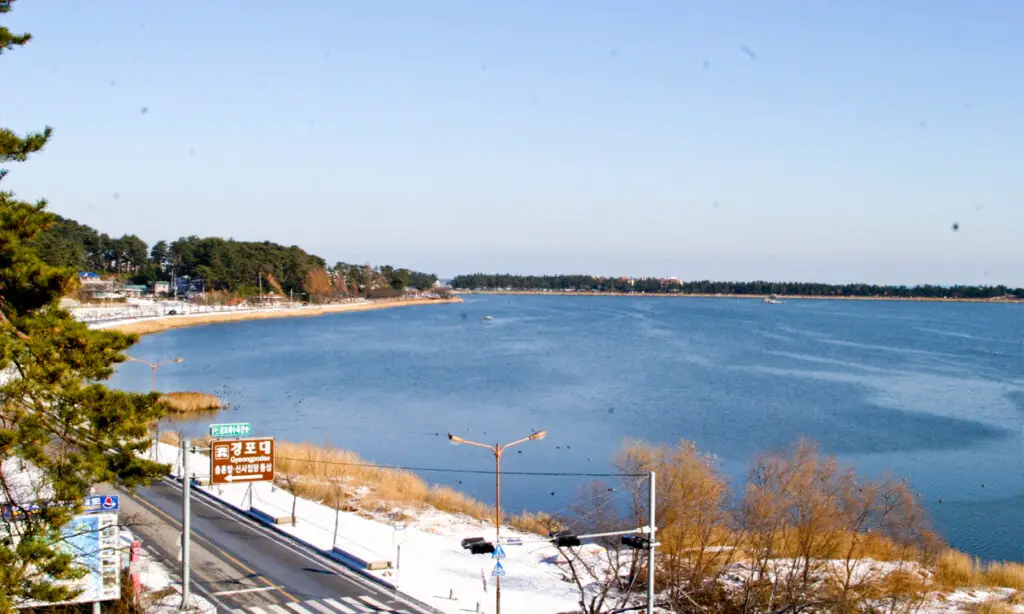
{"x": 497, "y": 449}
{"x": 153, "y": 366}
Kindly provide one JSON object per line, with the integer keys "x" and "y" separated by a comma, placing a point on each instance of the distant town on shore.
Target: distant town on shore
{"x": 483, "y": 282}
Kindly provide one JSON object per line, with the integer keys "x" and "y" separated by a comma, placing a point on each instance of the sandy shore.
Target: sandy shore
{"x": 156, "y": 325}
{"x": 784, "y": 297}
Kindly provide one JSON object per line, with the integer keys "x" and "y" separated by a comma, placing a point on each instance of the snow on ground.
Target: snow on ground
{"x": 433, "y": 564}
{"x": 158, "y": 585}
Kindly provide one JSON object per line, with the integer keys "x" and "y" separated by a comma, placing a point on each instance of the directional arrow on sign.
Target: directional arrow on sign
{"x": 240, "y": 478}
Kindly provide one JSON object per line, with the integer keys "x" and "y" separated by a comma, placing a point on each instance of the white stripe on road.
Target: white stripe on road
{"x": 320, "y": 607}
{"x": 355, "y": 604}
{"x": 257, "y": 610}
{"x": 298, "y": 608}
{"x": 258, "y": 589}
{"x": 344, "y": 609}
{"x": 373, "y": 602}
{"x": 277, "y": 609}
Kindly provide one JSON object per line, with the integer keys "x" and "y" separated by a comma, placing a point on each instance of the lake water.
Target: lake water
{"x": 928, "y": 391}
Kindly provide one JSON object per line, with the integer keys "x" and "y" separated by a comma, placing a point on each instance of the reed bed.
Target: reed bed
{"x": 956, "y": 569}
{"x": 190, "y": 402}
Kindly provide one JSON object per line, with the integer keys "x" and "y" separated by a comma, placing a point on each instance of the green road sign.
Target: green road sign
{"x": 237, "y": 429}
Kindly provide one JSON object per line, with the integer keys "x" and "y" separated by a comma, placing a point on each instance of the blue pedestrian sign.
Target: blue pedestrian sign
{"x": 499, "y": 553}
{"x": 498, "y": 570}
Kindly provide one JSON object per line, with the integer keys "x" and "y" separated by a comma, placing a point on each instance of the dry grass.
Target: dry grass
{"x": 190, "y": 402}
{"x": 147, "y": 327}
{"x": 1009, "y": 575}
{"x": 340, "y": 478}
{"x": 956, "y": 569}
{"x": 994, "y": 607}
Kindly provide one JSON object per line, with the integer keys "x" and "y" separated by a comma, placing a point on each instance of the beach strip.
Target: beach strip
{"x": 149, "y": 326}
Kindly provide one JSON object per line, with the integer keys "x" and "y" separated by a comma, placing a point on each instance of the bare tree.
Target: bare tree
{"x": 605, "y": 573}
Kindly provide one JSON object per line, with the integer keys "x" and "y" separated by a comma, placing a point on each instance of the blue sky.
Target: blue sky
{"x": 630, "y": 138}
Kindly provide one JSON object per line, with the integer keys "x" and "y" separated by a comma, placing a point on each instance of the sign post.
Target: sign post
{"x": 186, "y": 524}
{"x": 242, "y": 460}
{"x": 397, "y": 537}
{"x": 234, "y": 429}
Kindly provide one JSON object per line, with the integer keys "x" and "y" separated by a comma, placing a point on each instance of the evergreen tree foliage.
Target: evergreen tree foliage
{"x": 60, "y": 431}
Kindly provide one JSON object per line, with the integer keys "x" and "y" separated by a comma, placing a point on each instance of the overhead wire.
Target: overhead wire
{"x": 466, "y": 471}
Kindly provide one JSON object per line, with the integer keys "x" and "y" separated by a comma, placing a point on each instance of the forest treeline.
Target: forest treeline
{"x": 224, "y": 265}
{"x": 651, "y": 285}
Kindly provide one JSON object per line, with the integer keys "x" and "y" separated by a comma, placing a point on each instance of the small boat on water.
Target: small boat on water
{"x": 772, "y": 300}
{"x": 487, "y": 318}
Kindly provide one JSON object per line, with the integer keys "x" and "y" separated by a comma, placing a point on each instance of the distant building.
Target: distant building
{"x": 134, "y": 291}
{"x": 267, "y": 299}
{"x": 88, "y": 277}
{"x": 103, "y": 291}
{"x": 160, "y": 288}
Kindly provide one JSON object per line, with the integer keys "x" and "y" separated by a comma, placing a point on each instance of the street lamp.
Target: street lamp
{"x": 497, "y": 449}
{"x": 153, "y": 366}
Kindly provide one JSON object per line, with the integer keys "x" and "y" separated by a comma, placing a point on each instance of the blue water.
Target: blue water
{"x": 927, "y": 391}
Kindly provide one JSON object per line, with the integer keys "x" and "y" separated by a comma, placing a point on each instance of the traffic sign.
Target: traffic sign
{"x": 499, "y": 553}
{"x": 512, "y": 541}
{"x": 234, "y": 429}
{"x": 242, "y": 460}
{"x": 498, "y": 570}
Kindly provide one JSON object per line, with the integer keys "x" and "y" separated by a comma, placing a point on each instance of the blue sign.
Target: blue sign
{"x": 499, "y": 553}
{"x": 92, "y": 504}
{"x": 100, "y": 503}
{"x": 498, "y": 570}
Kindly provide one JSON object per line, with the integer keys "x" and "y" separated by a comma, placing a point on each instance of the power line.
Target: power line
{"x": 472, "y": 471}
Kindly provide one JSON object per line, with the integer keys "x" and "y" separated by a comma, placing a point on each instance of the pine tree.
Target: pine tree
{"x": 55, "y": 420}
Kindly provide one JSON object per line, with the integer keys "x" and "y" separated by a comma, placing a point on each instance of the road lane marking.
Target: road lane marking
{"x": 355, "y": 604}
{"x": 208, "y": 544}
{"x": 340, "y": 607}
{"x": 380, "y": 606}
{"x": 258, "y": 589}
{"x": 225, "y": 510}
{"x": 277, "y": 609}
{"x": 298, "y": 608}
{"x": 257, "y": 610}
{"x": 320, "y": 607}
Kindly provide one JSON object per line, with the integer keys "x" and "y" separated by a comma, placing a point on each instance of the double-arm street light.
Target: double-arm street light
{"x": 153, "y": 366}
{"x": 497, "y": 449}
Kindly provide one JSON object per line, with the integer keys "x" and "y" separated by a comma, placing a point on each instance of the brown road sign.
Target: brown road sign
{"x": 242, "y": 460}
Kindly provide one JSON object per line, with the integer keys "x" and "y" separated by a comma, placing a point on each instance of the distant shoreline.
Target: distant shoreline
{"x": 150, "y": 326}
{"x": 784, "y": 297}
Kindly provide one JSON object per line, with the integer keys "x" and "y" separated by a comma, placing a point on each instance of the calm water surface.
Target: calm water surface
{"x": 927, "y": 391}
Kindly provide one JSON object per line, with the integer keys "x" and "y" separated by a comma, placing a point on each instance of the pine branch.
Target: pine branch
{"x": 14, "y": 148}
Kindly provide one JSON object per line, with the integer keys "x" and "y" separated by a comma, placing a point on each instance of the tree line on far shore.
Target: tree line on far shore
{"x": 224, "y": 265}
{"x": 651, "y": 285}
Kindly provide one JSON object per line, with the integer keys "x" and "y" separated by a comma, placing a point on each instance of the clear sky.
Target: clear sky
{"x": 824, "y": 141}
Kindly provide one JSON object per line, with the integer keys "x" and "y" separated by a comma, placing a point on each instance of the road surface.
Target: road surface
{"x": 244, "y": 567}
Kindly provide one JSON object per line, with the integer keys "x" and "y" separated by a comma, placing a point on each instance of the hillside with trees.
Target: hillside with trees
{"x": 650, "y": 285}
{"x": 224, "y": 265}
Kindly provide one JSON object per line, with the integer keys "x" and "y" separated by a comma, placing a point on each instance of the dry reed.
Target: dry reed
{"x": 190, "y": 402}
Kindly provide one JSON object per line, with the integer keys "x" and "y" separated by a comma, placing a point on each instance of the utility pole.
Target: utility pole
{"x": 259, "y": 280}
{"x": 650, "y": 548}
{"x": 186, "y": 524}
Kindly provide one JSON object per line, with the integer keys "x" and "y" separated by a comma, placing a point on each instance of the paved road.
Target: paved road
{"x": 244, "y": 567}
